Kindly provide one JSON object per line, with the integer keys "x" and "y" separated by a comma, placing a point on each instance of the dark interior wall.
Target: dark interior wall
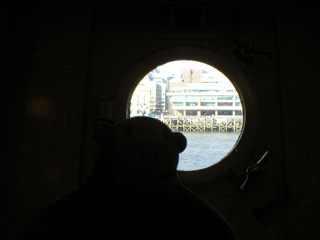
{"x": 14, "y": 80}
{"x": 43, "y": 93}
{"x": 298, "y": 31}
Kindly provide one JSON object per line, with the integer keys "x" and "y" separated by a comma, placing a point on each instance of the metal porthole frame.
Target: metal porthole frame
{"x": 229, "y": 67}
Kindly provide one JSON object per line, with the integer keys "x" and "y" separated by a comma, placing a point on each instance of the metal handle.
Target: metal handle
{"x": 254, "y": 169}
{"x": 264, "y": 157}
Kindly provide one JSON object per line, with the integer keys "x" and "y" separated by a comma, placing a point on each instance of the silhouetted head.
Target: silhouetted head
{"x": 144, "y": 155}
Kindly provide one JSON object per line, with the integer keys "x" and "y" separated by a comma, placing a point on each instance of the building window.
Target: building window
{"x": 177, "y": 104}
{"x": 208, "y": 98}
{"x": 191, "y": 104}
{"x": 225, "y": 112}
{"x": 191, "y": 113}
{"x": 192, "y": 98}
{"x": 227, "y": 97}
{"x": 208, "y": 104}
{"x": 225, "y": 104}
{"x": 208, "y": 113}
{"x": 238, "y": 112}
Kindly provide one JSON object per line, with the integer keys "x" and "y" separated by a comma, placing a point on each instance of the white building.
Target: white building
{"x": 201, "y": 94}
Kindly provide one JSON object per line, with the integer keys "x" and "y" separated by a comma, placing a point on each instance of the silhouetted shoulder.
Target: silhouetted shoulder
{"x": 198, "y": 218}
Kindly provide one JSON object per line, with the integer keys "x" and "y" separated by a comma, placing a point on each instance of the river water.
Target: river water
{"x": 205, "y": 149}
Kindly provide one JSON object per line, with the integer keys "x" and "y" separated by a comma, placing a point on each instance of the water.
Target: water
{"x": 205, "y": 149}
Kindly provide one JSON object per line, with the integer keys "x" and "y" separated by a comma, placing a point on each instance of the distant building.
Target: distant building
{"x": 201, "y": 94}
{"x": 196, "y": 93}
{"x": 149, "y": 97}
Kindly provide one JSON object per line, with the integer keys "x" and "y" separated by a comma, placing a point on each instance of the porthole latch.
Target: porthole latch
{"x": 255, "y": 169}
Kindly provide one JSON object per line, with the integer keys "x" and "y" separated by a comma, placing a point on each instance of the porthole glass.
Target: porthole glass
{"x": 198, "y": 100}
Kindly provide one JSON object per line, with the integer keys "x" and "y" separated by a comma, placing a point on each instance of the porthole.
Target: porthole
{"x": 198, "y": 100}
{"x": 242, "y": 104}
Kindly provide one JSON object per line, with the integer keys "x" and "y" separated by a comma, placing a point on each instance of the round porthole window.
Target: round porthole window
{"x": 198, "y": 100}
